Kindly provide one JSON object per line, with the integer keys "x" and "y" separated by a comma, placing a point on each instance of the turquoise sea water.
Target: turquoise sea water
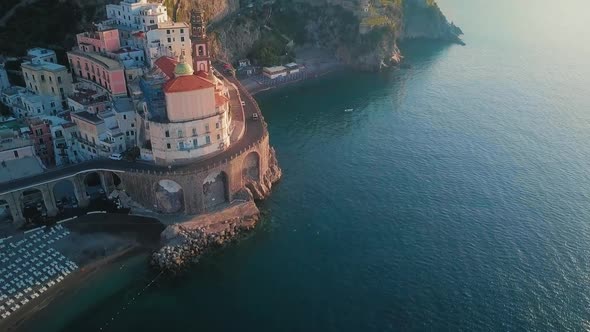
{"x": 456, "y": 196}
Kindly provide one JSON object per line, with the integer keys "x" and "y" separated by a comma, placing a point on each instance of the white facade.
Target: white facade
{"x": 182, "y": 141}
{"x": 24, "y": 103}
{"x": 274, "y": 72}
{"x": 14, "y": 147}
{"x": 168, "y": 39}
{"x": 42, "y": 54}
{"x": 135, "y": 15}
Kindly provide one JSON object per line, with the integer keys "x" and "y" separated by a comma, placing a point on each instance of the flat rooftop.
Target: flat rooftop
{"x": 43, "y": 65}
{"x": 19, "y": 168}
{"x": 86, "y": 116}
{"x": 109, "y": 63}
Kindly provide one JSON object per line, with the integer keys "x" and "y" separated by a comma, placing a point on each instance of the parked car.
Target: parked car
{"x": 255, "y": 116}
{"x": 243, "y": 103}
{"x": 116, "y": 156}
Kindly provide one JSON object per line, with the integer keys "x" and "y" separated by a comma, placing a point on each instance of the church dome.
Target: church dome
{"x": 183, "y": 69}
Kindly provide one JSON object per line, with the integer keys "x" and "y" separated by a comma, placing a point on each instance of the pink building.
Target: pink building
{"x": 41, "y": 135}
{"x": 106, "y": 72}
{"x": 99, "y": 41}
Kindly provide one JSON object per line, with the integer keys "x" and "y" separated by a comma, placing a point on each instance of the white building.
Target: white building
{"x": 169, "y": 39}
{"x": 130, "y": 16}
{"x": 107, "y": 132}
{"x": 24, "y": 103}
{"x": 17, "y": 156}
{"x": 274, "y": 72}
{"x": 42, "y": 54}
{"x": 198, "y": 120}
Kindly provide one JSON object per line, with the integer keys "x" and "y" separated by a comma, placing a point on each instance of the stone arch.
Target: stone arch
{"x": 215, "y": 189}
{"x": 93, "y": 184}
{"x": 64, "y": 193}
{"x": 251, "y": 167}
{"x": 5, "y": 213}
{"x": 33, "y": 203}
{"x": 169, "y": 197}
{"x": 116, "y": 179}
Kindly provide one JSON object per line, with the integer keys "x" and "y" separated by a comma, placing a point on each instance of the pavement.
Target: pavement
{"x": 254, "y": 131}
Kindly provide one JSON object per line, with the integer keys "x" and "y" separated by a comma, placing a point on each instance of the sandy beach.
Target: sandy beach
{"x": 96, "y": 242}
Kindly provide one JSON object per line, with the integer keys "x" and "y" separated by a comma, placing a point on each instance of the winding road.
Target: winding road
{"x": 254, "y": 131}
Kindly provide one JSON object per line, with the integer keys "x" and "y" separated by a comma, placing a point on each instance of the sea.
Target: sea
{"x": 455, "y": 196}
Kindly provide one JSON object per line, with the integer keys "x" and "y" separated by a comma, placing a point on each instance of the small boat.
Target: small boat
{"x": 349, "y": 110}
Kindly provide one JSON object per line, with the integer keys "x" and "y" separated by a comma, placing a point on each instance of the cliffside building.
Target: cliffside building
{"x": 171, "y": 39}
{"x": 44, "y": 76}
{"x": 131, "y": 16}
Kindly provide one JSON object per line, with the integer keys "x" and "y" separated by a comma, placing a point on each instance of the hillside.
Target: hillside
{"x": 363, "y": 33}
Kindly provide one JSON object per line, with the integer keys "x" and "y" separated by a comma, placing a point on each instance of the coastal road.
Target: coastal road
{"x": 254, "y": 131}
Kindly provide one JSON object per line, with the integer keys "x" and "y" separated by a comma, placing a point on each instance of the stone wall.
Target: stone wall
{"x": 140, "y": 185}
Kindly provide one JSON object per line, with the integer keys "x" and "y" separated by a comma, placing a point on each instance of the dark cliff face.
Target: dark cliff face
{"x": 361, "y": 33}
{"x": 424, "y": 19}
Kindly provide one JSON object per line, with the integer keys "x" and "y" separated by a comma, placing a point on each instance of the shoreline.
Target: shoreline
{"x": 314, "y": 74}
{"x": 67, "y": 287}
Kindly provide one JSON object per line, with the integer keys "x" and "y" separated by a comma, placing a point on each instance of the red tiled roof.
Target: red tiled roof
{"x": 187, "y": 83}
{"x": 220, "y": 100}
{"x": 166, "y": 65}
{"x": 203, "y": 74}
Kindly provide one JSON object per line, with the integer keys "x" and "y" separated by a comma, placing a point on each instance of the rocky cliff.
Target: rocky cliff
{"x": 363, "y": 33}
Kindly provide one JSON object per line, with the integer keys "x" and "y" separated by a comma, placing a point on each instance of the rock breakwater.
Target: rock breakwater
{"x": 185, "y": 243}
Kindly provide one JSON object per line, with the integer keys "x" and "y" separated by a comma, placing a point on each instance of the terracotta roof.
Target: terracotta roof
{"x": 187, "y": 83}
{"x": 220, "y": 100}
{"x": 203, "y": 74}
{"x": 166, "y": 65}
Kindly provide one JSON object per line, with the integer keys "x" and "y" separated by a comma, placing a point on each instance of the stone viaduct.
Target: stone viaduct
{"x": 202, "y": 185}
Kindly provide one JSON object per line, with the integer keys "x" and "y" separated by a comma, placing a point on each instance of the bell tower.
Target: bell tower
{"x": 200, "y": 42}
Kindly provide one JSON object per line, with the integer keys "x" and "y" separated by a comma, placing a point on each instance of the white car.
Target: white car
{"x": 116, "y": 156}
{"x": 243, "y": 103}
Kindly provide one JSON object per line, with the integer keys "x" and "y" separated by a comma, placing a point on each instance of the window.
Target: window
{"x": 26, "y": 75}
{"x": 52, "y": 90}
{"x": 207, "y": 128}
{"x": 52, "y": 104}
{"x": 167, "y": 133}
{"x": 207, "y": 139}
{"x": 181, "y": 30}
{"x": 217, "y": 125}
{"x": 42, "y": 78}
{"x": 195, "y": 143}
{"x": 168, "y": 146}
{"x": 132, "y": 125}
{"x": 15, "y": 154}
{"x": 169, "y": 39}
{"x": 218, "y": 137}
{"x": 181, "y": 39}
{"x": 124, "y": 117}
{"x": 50, "y": 79}
{"x": 194, "y": 131}
{"x": 38, "y": 132}
{"x": 59, "y": 79}
{"x": 127, "y": 133}
{"x": 179, "y": 133}
{"x": 167, "y": 32}
{"x": 181, "y": 145}
{"x": 41, "y": 141}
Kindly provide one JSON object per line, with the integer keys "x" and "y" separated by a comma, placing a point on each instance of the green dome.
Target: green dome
{"x": 183, "y": 69}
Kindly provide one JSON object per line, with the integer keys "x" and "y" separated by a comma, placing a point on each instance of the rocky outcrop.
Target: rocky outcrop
{"x": 260, "y": 190}
{"x": 424, "y": 19}
{"x": 186, "y": 242}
